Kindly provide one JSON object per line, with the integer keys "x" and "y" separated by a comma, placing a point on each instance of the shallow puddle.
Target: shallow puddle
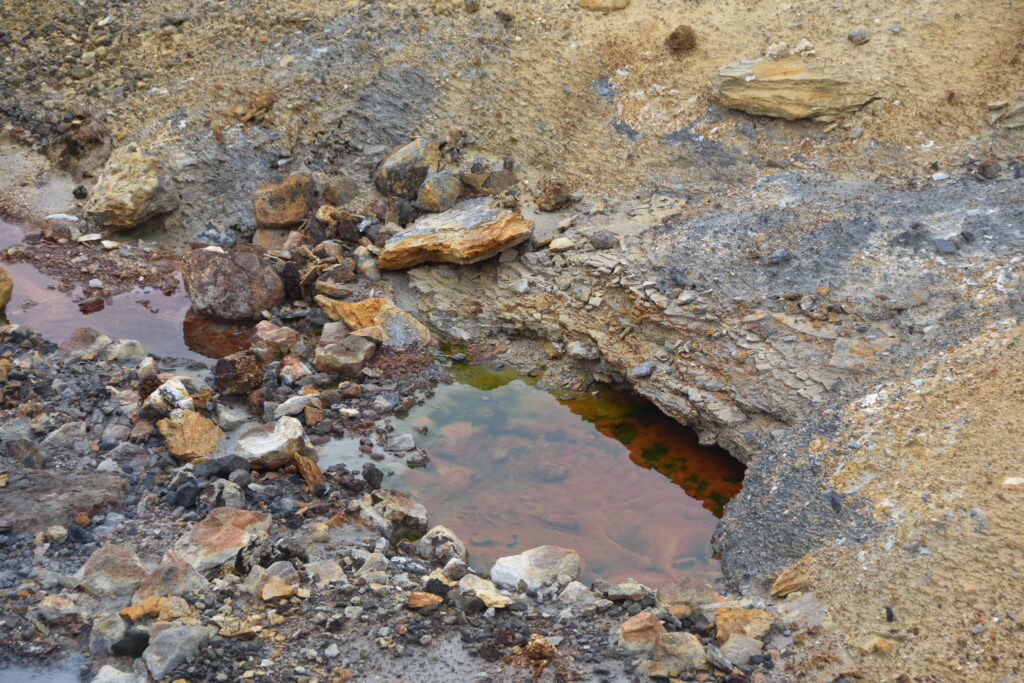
{"x": 159, "y": 322}
{"x": 513, "y": 467}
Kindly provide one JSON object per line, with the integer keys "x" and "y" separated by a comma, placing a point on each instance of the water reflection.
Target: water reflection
{"x": 513, "y": 467}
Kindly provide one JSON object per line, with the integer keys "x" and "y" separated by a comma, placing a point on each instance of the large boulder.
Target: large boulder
{"x": 236, "y": 284}
{"x": 283, "y": 204}
{"x": 472, "y": 231}
{"x": 271, "y": 446}
{"x": 788, "y": 89}
{"x": 402, "y": 172}
{"x": 218, "y": 538}
{"x": 132, "y": 188}
{"x": 536, "y": 567}
{"x": 6, "y": 287}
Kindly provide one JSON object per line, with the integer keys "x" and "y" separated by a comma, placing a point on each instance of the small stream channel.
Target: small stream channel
{"x": 512, "y": 466}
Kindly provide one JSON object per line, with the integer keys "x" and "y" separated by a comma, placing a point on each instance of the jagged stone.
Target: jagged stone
{"x": 133, "y": 187}
{"x": 472, "y": 231}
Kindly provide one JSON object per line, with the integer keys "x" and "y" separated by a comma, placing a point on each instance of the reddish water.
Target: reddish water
{"x": 513, "y": 467}
{"x": 161, "y": 323}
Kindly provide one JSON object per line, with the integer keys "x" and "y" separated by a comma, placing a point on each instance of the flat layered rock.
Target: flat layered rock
{"x": 474, "y": 230}
{"x": 787, "y": 89}
{"x": 36, "y": 499}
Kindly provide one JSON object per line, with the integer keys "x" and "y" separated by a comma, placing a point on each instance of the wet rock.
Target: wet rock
{"x": 133, "y": 187}
{"x": 787, "y": 89}
{"x": 238, "y": 373}
{"x": 393, "y": 513}
{"x": 172, "y": 577}
{"x": 282, "y": 204}
{"x": 112, "y": 570}
{"x": 753, "y": 623}
{"x": 6, "y": 287}
{"x": 536, "y": 567}
{"x": 440, "y": 545}
{"x": 554, "y": 195}
{"x": 439, "y": 192}
{"x": 271, "y": 446}
{"x": 190, "y": 436}
{"x": 217, "y": 539}
{"x": 641, "y": 632}
{"x": 472, "y": 231}
{"x": 238, "y": 284}
{"x": 400, "y": 443}
{"x": 84, "y": 342}
{"x": 403, "y": 171}
{"x": 682, "y": 39}
{"x": 36, "y": 499}
{"x": 172, "y": 647}
{"x": 398, "y": 327}
{"x": 739, "y": 649}
{"x": 604, "y": 5}
{"x": 346, "y": 357}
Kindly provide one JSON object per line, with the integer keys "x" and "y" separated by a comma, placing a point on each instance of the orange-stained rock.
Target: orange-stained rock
{"x": 190, "y": 436}
{"x": 377, "y": 319}
{"x": 277, "y": 588}
{"x": 796, "y": 577}
{"x": 641, "y": 632}
{"x": 140, "y": 610}
{"x": 472, "y": 231}
{"x": 401, "y": 172}
{"x": 309, "y": 471}
{"x": 419, "y": 600}
{"x": 283, "y": 204}
{"x": 219, "y": 537}
{"x": 539, "y": 647}
{"x": 172, "y": 577}
{"x": 6, "y": 286}
{"x": 753, "y": 623}
{"x": 787, "y": 89}
{"x": 112, "y": 570}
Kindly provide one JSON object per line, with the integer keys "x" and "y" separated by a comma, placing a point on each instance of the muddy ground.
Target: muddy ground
{"x": 836, "y": 304}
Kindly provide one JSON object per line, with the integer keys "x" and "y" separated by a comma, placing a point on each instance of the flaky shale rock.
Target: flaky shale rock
{"x": 236, "y": 284}
{"x": 786, "y": 89}
{"x": 473, "y": 231}
{"x": 132, "y": 188}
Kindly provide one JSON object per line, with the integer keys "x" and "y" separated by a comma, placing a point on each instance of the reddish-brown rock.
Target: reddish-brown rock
{"x": 282, "y": 204}
{"x": 235, "y": 284}
{"x": 238, "y": 373}
{"x": 753, "y": 623}
{"x": 219, "y": 537}
{"x": 640, "y": 632}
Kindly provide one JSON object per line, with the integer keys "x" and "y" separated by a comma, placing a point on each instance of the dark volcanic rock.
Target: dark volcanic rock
{"x": 238, "y": 373}
{"x": 231, "y": 285}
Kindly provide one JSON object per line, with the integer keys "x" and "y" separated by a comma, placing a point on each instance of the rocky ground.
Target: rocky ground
{"x": 795, "y": 227}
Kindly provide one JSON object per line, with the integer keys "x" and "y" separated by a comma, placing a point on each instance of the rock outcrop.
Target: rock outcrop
{"x": 788, "y": 89}
{"x": 472, "y": 231}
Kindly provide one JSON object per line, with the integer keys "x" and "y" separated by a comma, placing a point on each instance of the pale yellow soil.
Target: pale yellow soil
{"x": 952, "y": 564}
{"x": 537, "y": 103}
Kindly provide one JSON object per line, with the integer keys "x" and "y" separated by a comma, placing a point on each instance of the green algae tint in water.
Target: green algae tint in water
{"x": 512, "y": 467}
